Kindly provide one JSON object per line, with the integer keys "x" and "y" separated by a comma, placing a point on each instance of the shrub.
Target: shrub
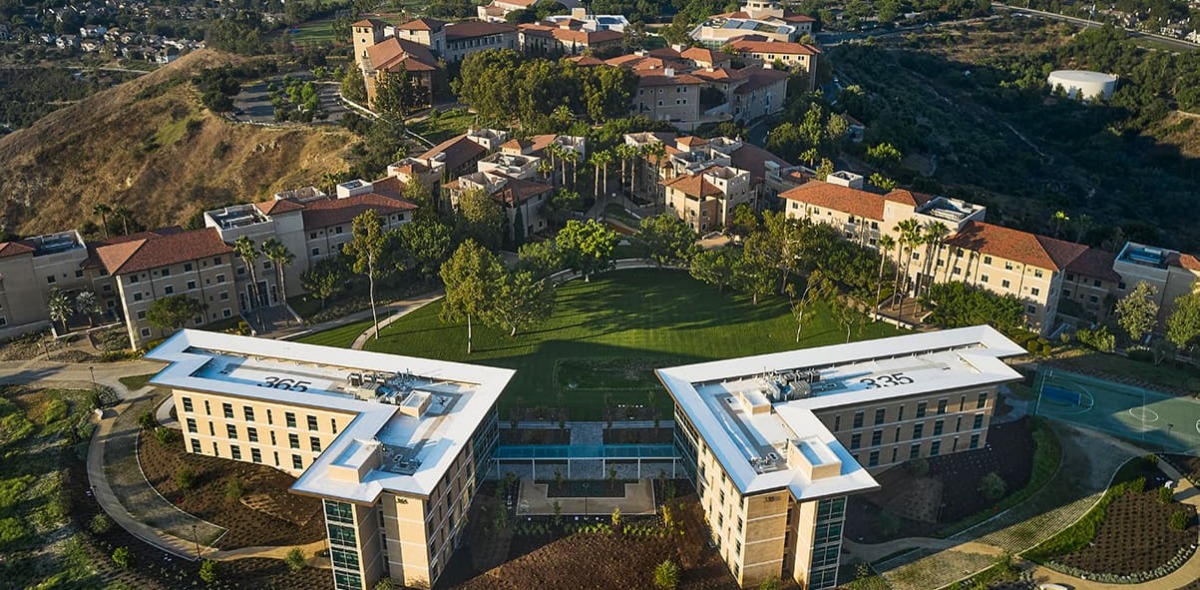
{"x": 234, "y": 490}
{"x": 121, "y": 557}
{"x": 185, "y": 478}
{"x": 771, "y": 583}
{"x": 666, "y": 575}
{"x": 992, "y": 486}
{"x": 295, "y": 559}
{"x": 145, "y": 420}
{"x": 165, "y": 435}
{"x": 100, "y": 524}
{"x": 386, "y": 584}
{"x": 208, "y": 571}
{"x": 1179, "y": 520}
{"x": 1165, "y": 495}
{"x": 56, "y": 410}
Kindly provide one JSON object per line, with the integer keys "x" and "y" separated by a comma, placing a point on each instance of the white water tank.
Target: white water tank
{"x": 1076, "y": 82}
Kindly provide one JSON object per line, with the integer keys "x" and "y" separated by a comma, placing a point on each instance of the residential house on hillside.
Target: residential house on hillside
{"x": 794, "y": 56}
{"x": 459, "y": 154}
{"x": 567, "y": 37}
{"x": 758, "y": 19}
{"x": 592, "y": 22}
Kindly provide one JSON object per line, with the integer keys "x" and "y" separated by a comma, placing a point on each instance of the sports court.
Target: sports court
{"x": 1155, "y": 420}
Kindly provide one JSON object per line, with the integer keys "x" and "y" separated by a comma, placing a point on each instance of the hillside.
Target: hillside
{"x": 149, "y": 146}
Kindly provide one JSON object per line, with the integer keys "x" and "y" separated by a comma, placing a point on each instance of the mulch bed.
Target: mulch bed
{"x": 152, "y": 569}
{"x": 587, "y": 489}
{"x": 281, "y": 518}
{"x": 638, "y": 436}
{"x": 1134, "y": 536}
{"x": 604, "y": 562}
{"x": 954, "y": 496}
{"x": 535, "y": 436}
{"x": 1187, "y": 464}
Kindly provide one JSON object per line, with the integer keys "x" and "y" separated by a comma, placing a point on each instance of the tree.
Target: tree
{"x": 884, "y": 155}
{"x": 122, "y": 557}
{"x": 818, "y": 288}
{"x": 1059, "y": 219}
{"x": 281, "y": 257}
{"x": 910, "y": 238}
{"x": 174, "y": 311}
{"x": 992, "y": 486}
{"x": 324, "y": 279}
{"x": 1137, "y": 312}
{"x": 562, "y": 203}
{"x": 354, "y": 87}
{"x": 470, "y": 275}
{"x": 245, "y": 249}
{"x": 386, "y": 584}
{"x": 955, "y": 305}
{"x": 426, "y": 244}
{"x": 294, "y": 559}
{"x": 600, "y": 161}
{"x": 208, "y": 571}
{"x": 881, "y": 182}
{"x": 715, "y": 267}
{"x": 520, "y": 300}
{"x": 396, "y": 94}
{"x": 60, "y": 307}
{"x": 825, "y": 169}
{"x": 754, "y": 271}
{"x": 669, "y": 238}
{"x": 103, "y": 210}
{"x": 1183, "y": 326}
{"x": 541, "y": 258}
{"x": 87, "y": 304}
{"x": 885, "y": 245}
{"x": 481, "y": 219}
{"x": 586, "y": 247}
{"x": 666, "y": 575}
{"x": 848, "y": 315}
{"x": 745, "y": 220}
{"x": 365, "y": 248}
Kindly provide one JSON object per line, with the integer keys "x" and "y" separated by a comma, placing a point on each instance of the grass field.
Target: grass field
{"x": 444, "y": 126}
{"x": 635, "y": 318}
{"x": 313, "y": 31}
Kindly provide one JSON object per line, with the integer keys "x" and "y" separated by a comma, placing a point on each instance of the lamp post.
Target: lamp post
{"x": 196, "y": 538}
{"x": 1168, "y": 439}
{"x": 92, "y": 370}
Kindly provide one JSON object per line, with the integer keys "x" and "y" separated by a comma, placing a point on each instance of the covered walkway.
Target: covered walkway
{"x": 587, "y": 461}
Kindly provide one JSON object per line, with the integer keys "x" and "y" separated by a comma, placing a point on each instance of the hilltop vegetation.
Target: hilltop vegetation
{"x": 151, "y": 147}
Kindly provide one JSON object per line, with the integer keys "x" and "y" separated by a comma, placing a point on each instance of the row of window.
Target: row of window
{"x": 231, "y": 432}
{"x": 166, "y": 270}
{"x": 235, "y": 453}
{"x": 918, "y": 431}
{"x": 922, "y": 410}
{"x": 249, "y": 414}
{"x": 914, "y": 451}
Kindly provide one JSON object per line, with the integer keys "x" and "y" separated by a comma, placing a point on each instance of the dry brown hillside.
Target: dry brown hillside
{"x": 149, "y": 146}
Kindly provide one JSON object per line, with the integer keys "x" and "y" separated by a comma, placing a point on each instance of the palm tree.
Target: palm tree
{"x": 626, "y": 153}
{"x": 86, "y": 303}
{"x": 244, "y": 248}
{"x": 280, "y": 256}
{"x": 601, "y": 160}
{"x": 553, "y": 150}
{"x": 546, "y": 169}
{"x": 124, "y": 215}
{"x": 910, "y": 236}
{"x": 932, "y": 237}
{"x": 102, "y": 209}
{"x": 572, "y": 156}
{"x": 656, "y": 150}
{"x": 885, "y": 245}
{"x": 60, "y": 307}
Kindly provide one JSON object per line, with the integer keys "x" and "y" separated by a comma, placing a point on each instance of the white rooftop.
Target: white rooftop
{"x": 757, "y": 413}
{"x": 412, "y": 416}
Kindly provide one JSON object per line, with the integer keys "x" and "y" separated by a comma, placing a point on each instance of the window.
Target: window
{"x": 1035, "y": 291}
{"x": 879, "y": 416}
{"x": 312, "y": 235}
{"x": 315, "y": 444}
{"x": 312, "y": 422}
{"x": 855, "y": 440}
{"x": 935, "y": 447}
{"x": 141, "y": 315}
{"x": 873, "y": 459}
{"x": 1008, "y": 265}
{"x": 914, "y": 451}
{"x": 50, "y": 279}
{"x": 228, "y": 409}
{"x": 252, "y": 434}
{"x": 226, "y": 312}
{"x": 145, "y": 332}
{"x": 858, "y": 419}
{"x": 212, "y": 430}
{"x": 938, "y": 427}
{"x": 974, "y": 441}
{"x": 918, "y": 430}
{"x": 191, "y": 425}
{"x": 1005, "y": 283}
{"x": 343, "y": 559}
{"x": 921, "y": 409}
{"x": 137, "y": 296}
{"x": 983, "y": 278}
{"x": 316, "y": 251}
{"x": 900, "y": 415}
{"x": 187, "y": 404}
{"x": 133, "y": 278}
{"x": 249, "y": 412}
{"x": 169, "y": 290}
{"x": 207, "y": 410}
{"x": 236, "y": 451}
{"x": 187, "y": 267}
{"x": 876, "y": 438}
{"x": 291, "y": 419}
{"x": 941, "y": 407}
{"x": 1070, "y": 277}
{"x": 1096, "y": 283}
{"x": 297, "y": 462}
{"x": 256, "y": 455}
{"x": 1037, "y": 272}
{"x": 978, "y": 423}
{"x": 1030, "y": 309}
{"x": 231, "y": 430}
{"x": 1121, "y": 286}
{"x": 333, "y": 424}
{"x": 837, "y": 422}
{"x": 191, "y": 285}
{"x": 294, "y": 441}
{"x": 217, "y": 260}
{"x": 1094, "y": 299}
{"x": 270, "y": 418}
{"x": 273, "y": 437}
{"x": 196, "y": 448}
{"x": 982, "y": 401}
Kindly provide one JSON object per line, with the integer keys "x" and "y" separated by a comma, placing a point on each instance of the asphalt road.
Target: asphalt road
{"x": 254, "y": 102}
{"x": 1178, "y": 44}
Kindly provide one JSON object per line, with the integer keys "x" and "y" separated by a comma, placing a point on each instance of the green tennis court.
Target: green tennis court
{"x": 1156, "y": 420}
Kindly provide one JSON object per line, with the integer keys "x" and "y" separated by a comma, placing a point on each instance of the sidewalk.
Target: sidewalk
{"x": 357, "y": 316}
{"x": 394, "y": 312}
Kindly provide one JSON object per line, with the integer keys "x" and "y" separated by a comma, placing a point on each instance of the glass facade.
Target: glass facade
{"x": 343, "y": 545}
{"x": 827, "y": 544}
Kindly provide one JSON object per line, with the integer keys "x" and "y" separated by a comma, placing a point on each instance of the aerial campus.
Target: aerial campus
{"x": 603, "y": 296}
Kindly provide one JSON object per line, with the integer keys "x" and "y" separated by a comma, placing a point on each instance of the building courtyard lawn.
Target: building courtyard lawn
{"x": 606, "y": 336}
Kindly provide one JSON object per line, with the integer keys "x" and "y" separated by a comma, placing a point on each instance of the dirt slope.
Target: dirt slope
{"x": 149, "y": 146}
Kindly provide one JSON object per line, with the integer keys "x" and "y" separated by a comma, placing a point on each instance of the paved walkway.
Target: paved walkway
{"x": 358, "y": 316}
{"x": 396, "y": 311}
{"x": 76, "y": 375}
{"x": 638, "y": 499}
{"x": 309, "y": 551}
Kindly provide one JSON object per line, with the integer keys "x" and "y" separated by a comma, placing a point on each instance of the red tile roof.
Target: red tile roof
{"x": 659, "y": 78}
{"x": 422, "y": 24}
{"x": 1187, "y": 261}
{"x": 328, "y": 212}
{"x": 1095, "y": 263}
{"x": 664, "y": 53}
{"x": 516, "y": 192}
{"x": 694, "y": 185}
{"x": 15, "y": 249}
{"x": 391, "y": 53}
{"x": 370, "y": 22}
{"x": 753, "y": 159}
{"x": 700, "y": 54}
{"x": 1016, "y": 245}
{"x": 456, "y": 151}
{"x": 586, "y": 60}
{"x": 157, "y": 251}
{"x": 799, "y": 18}
{"x": 277, "y": 206}
{"x": 907, "y": 197}
{"x": 530, "y": 145}
{"x": 757, "y": 78}
{"x": 471, "y": 29}
{"x": 858, "y": 203}
{"x": 691, "y": 141}
{"x": 773, "y": 47}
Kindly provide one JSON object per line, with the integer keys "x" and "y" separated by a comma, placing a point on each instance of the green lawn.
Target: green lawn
{"x": 314, "y": 31}
{"x": 637, "y": 317}
{"x": 444, "y": 126}
{"x": 136, "y": 382}
{"x": 341, "y": 337}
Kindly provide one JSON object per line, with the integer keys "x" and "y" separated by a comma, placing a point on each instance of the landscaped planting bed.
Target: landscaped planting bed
{"x": 948, "y": 493}
{"x": 1128, "y": 535}
{"x": 640, "y": 436}
{"x": 277, "y": 517}
{"x": 535, "y": 436}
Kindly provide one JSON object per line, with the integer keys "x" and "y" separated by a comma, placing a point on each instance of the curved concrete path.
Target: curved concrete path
{"x": 309, "y": 550}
